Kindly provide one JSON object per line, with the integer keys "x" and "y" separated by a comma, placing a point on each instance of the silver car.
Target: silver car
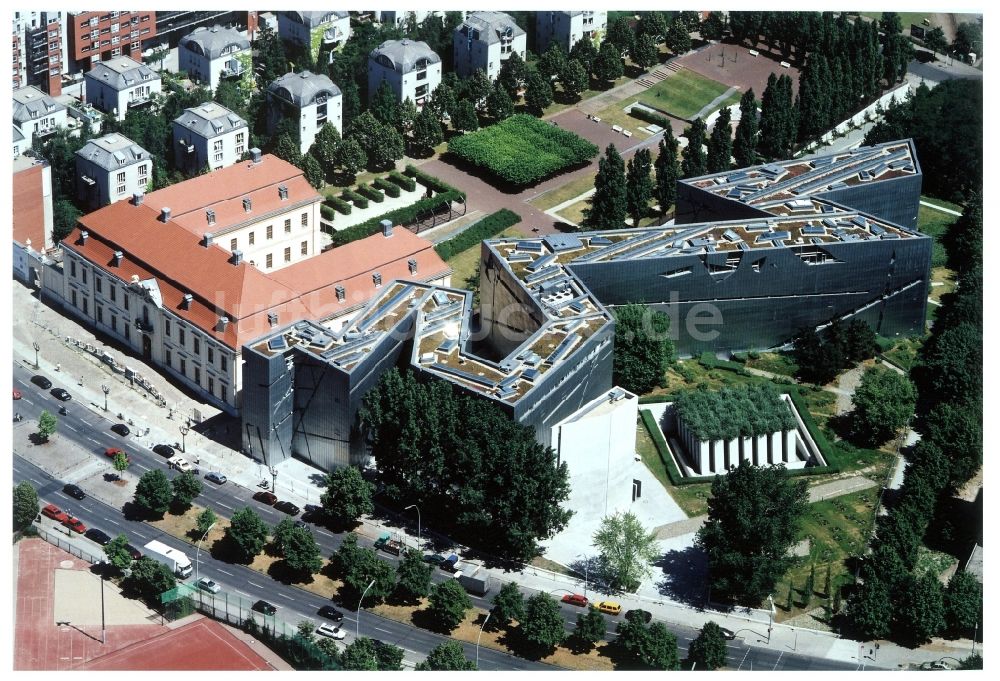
{"x": 331, "y": 631}
{"x": 206, "y": 584}
{"x": 217, "y": 478}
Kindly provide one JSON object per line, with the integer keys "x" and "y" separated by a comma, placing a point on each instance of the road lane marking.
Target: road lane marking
{"x": 326, "y": 533}
{"x": 225, "y": 505}
{"x": 244, "y": 593}
{"x": 93, "y": 440}
{"x": 27, "y": 400}
{"x": 114, "y": 521}
{"x": 142, "y": 467}
{"x": 256, "y": 585}
{"x": 72, "y": 428}
{"x": 383, "y": 630}
{"x": 226, "y": 573}
{"x": 283, "y": 595}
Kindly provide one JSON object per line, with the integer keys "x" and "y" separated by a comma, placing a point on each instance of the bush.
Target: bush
{"x": 391, "y": 190}
{"x": 407, "y": 183}
{"x": 522, "y": 149}
{"x": 428, "y": 181}
{"x": 369, "y": 193}
{"x": 489, "y": 226}
{"x": 327, "y": 212}
{"x": 649, "y": 117}
{"x": 341, "y": 206}
{"x": 355, "y": 198}
{"x": 400, "y": 216}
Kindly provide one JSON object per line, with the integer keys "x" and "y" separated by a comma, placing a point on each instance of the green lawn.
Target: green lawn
{"x": 904, "y": 352}
{"x": 568, "y": 191}
{"x": 935, "y": 224}
{"x": 907, "y": 18}
{"x": 774, "y": 362}
{"x": 575, "y": 212}
{"x": 693, "y": 499}
{"x": 684, "y": 94}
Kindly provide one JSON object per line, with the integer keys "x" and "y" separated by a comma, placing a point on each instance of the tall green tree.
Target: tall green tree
{"x": 449, "y": 603}
{"x": 968, "y": 38}
{"x": 385, "y": 106}
{"x": 350, "y": 158}
{"x": 448, "y": 656}
{"x": 712, "y": 27}
{"x": 653, "y": 24}
{"x": 667, "y": 172}
{"x": 753, "y": 517}
{"x": 720, "y": 143}
{"x": 694, "y": 161}
{"x": 476, "y": 88}
{"x": 708, "y": 650}
{"x": 745, "y": 144}
{"x": 64, "y": 218}
{"x": 312, "y": 171}
{"x": 382, "y": 144}
{"x": 269, "y": 56}
{"x": 302, "y": 554}
{"x": 921, "y": 611}
{"x": 543, "y": 624}
{"x": 205, "y": 520}
{"x": 364, "y": 654}
{"x": 117, "y": 552}
{"x": 621, "y": 35}
{"x": 573, "y": 79}
{"x": 499, "y": 105}
{"x": 609, "y": 206}
{"x": 608, "y": 66}
{"x": 247, "y": 534}
{"x": 678, "y": 39}
{"x": 590, "y": 629}
{"x": 643, "y": 348}
{"x": 870, "y": 609}
{"x": 537, "y": 93}
{"x": 186, "y": 488}
{"x": 512, "y": 75}
{"x": 964, "y": 602}
{"x": 583, "y": 51}
{"x": 427, "y": 132}
{"x": 120, "y": 463}
{"x": 348, "y": 495}
{"x": 46, "y": 425}
{"x": 956, "y": 429}
{"x": 646, "y": 53}
{"x": 413, "y": 577}
{"x": 639, "y": 185}
{"x": 627, "y": 550}
{"x": 324, "y": 148}
{"x": 883, "y": 403}
{"x": 508, "y": 605}
{"x": 153, "y": 492}
{"x": 464, "y": 118}
{"x": 777, "y": 119}
{"x": 359, "y": 567}
{"x": 25, "y": 505}
{"x": 553, "y": 61}
{"x": 149, "y": 579}
{"x": 287, "y": 149}
{"x": 647, "y": 647}
{"x": 935, "y": 40}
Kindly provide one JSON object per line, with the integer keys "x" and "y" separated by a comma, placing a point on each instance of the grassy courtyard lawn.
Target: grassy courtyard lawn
{"x": 464, "y": 264}
{"x": 935, "y": 224}
{"x": 575, "y": 212}
{"x": 683, "y": 94}
{"x": 946, "y": 278}
{"x": 836, "y": 529}
{"x": 693, "y": 499}
{"x": 568, "y": 191}
{"x": 904, "y": 352}
{"x": 615, "y": 115}
{"x": 907, "y": 18}
{"x": 774, "y": 362}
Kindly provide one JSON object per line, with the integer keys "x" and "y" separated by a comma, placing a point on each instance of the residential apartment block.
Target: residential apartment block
{"x": 209, "y": 136}
{"x": 115, "y": 86}
{"x": 311, "y": 99}
{"x": 210, "y": 54}
{"x": 412, "y": 69}
{"x": 485, "y": 40}
{"x": 102, "y": 36}
{"x": 112, "y": 168}
{"x": 568, "y": 28}
{"x": 39, "y": 51}
{"x": 36, "y": 114}
{"x": 315, "y": 30}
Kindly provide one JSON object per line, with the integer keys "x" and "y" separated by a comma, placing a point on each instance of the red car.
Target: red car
{"x": 575, "y": 599}
{"x": 54, "y": 512}
{"x": 75, "y": 525}
{"x": 112, "y": 452}
{"x": 17, "y": 394}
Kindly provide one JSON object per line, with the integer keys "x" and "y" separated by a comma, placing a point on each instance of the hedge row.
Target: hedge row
{"x": 429, "y": 181}
{"x": 327, "y": 212}
{"x": 355, "y": 198}
{"x": 488, "y": 227}
{"x": 370, "y": 193}
{"x": 710, "y": 361}
{"x": 653, "y": 428}
{"x": 400, "y": 216}
{"x": 407, "y": 183}
{"x": 649, "y": 117}
{"x": 391, "y": 190}
{"x": 339, "y": 205}
{"x": 522, "y": 149}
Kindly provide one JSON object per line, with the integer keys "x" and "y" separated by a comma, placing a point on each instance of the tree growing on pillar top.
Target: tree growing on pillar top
{"x": 753, "y": 520}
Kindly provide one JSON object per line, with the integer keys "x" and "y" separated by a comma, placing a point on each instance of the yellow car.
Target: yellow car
{"x": 609, "y": 607}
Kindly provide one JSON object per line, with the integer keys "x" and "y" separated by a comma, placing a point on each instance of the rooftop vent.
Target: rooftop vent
{"x": 206, "y": 240}
{"x": 118, "y": 258}
{"x": 377, "y": 278}
{"x": 412, "y": 262}
{"x": 164, "y": 214}
{"x": 137, "y": 199}
{"x": 255, "y": 155}
{"x": 186, "y": 302}
{"x": 83, "y": 237}
{"x": 386, "y": 227}
{"x": 210, "y": 216}
{"x": 247, "y": 204}
{"x": 341, "y": 293}
{"x": 282, "y": 192}
{"x": 223, "y": 323}
{"x": 272, "y": 318}
{"x": 135, "y": 279}
{"x": 237, "y": 257}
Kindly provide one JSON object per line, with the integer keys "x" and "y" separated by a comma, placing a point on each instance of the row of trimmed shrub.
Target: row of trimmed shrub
{"x": 338, "y": 204}
{"x": 428, "y": 181}
{"x": 355, "y": 198}
{"x": 407, "y": 183}
{"x": 488, "y": 227}
{"x": 327, "y": 212}
{"x": 371, "y": 193}
{"x": 649, "y": 117}
{"x": 400, "y": 216}
{"x": 710, "y": 361}
{"x": 391, "y": 190}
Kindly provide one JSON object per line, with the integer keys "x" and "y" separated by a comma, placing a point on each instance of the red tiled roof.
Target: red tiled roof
{"x": 29, "y": 213}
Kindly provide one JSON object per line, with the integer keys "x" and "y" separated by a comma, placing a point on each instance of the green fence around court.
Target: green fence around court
{"x": 224, "y": 606}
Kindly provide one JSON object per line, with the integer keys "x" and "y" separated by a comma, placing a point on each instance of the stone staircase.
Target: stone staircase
{"x": 661, "y": 73}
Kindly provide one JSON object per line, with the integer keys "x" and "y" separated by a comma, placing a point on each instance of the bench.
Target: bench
{"x": 785, "y": 65}
{"x": 626, "y": 133}
{"x": 596, "y": 119}
{"x": 616, "y": 128}
{"x": 754, "y": 53}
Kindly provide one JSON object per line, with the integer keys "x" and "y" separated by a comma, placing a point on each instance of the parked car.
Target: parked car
{"x": 287, "y": 507}
{"x": 181, "y": 464}
{"x": 610, "y": 607}
{"x": 121, "y": 429}
{"x": 264, "y": 607}
{"x": 217, "y": 478}
{"x": 41, "y": 382}
{"x": 313, "y": 513}
{"x": 164, "y": 450}
{"x": 434, "y": 558}
{"x": 331, "y": 613}
{"x": 112, "y": 452}
{"x": 643, "y": 616}
{"x": 17, "y": 394}
{"x": 54, "y": 512}
{"x": 331, "y": 631}
{"x": 132, "y": 551}
{"x": 74, "y": 491}
{"x": 575, "y": 599}
{"x": 75, "y": 524}
{"x": 449, "y": 564}
{"x": 96, "y": 535}
{"x": 727, "y": 633}
{"x": 265, "y": 498}
{"x": 61, "y": 394}
{"x": 206, "y": 584}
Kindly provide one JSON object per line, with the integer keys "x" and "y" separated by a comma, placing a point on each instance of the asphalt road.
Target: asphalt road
{"x": 90, "y": 431}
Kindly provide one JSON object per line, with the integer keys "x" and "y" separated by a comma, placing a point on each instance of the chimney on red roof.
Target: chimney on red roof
{"x": 386, "y": 228}
{"x": 207, "y": 239}
{"x": 186, "y": 302}
{"x": 223, "y": 322}
{"x": 237, "y": 257}
{"x": 255, "y": 155}
{"x": 165, "y": 214}
{"x": 137, "y": 199}
{"x": 118, "y": 258}
{"x": 83, "y": 237}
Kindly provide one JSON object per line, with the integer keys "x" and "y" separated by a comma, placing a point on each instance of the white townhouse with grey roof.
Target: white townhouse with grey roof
{"x": 210, "y": 54}
{"x": 209, "y": 135}
{"x": 118, "y": 84}
{"x": 485, "y": 40}
{"x": 111, "y": 168}
{"x": 411, "y": 67}
{"x": 568, "y": 28}
{"x": 315, "y": 29}
{"x": 310, "y": 98}
{"x": 36, "y": 114}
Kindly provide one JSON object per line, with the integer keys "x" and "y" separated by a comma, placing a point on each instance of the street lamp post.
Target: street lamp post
{"x": 104, "y": 630}
{"x": 184, "y": 431}
{"x": 105, "y": 389}
{"x": 273, "y": 470}
{"x": 37, "y": 348}
{"x": 357, "y": 632}
{"x": 586, "y": 573}
{"x": 197, "y": 551}
{"x": 418, "y": 521}
{"x": 770, "y": 617}
{"x": 481, "y": 635}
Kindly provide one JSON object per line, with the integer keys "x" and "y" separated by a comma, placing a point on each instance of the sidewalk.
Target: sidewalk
{"x": 299, "y": 483}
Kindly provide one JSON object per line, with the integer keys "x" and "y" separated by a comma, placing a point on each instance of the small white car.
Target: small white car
{"x": 181, "y": 464}
{"x": 331, "y": 631}
{"x": 208, "y": 585}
